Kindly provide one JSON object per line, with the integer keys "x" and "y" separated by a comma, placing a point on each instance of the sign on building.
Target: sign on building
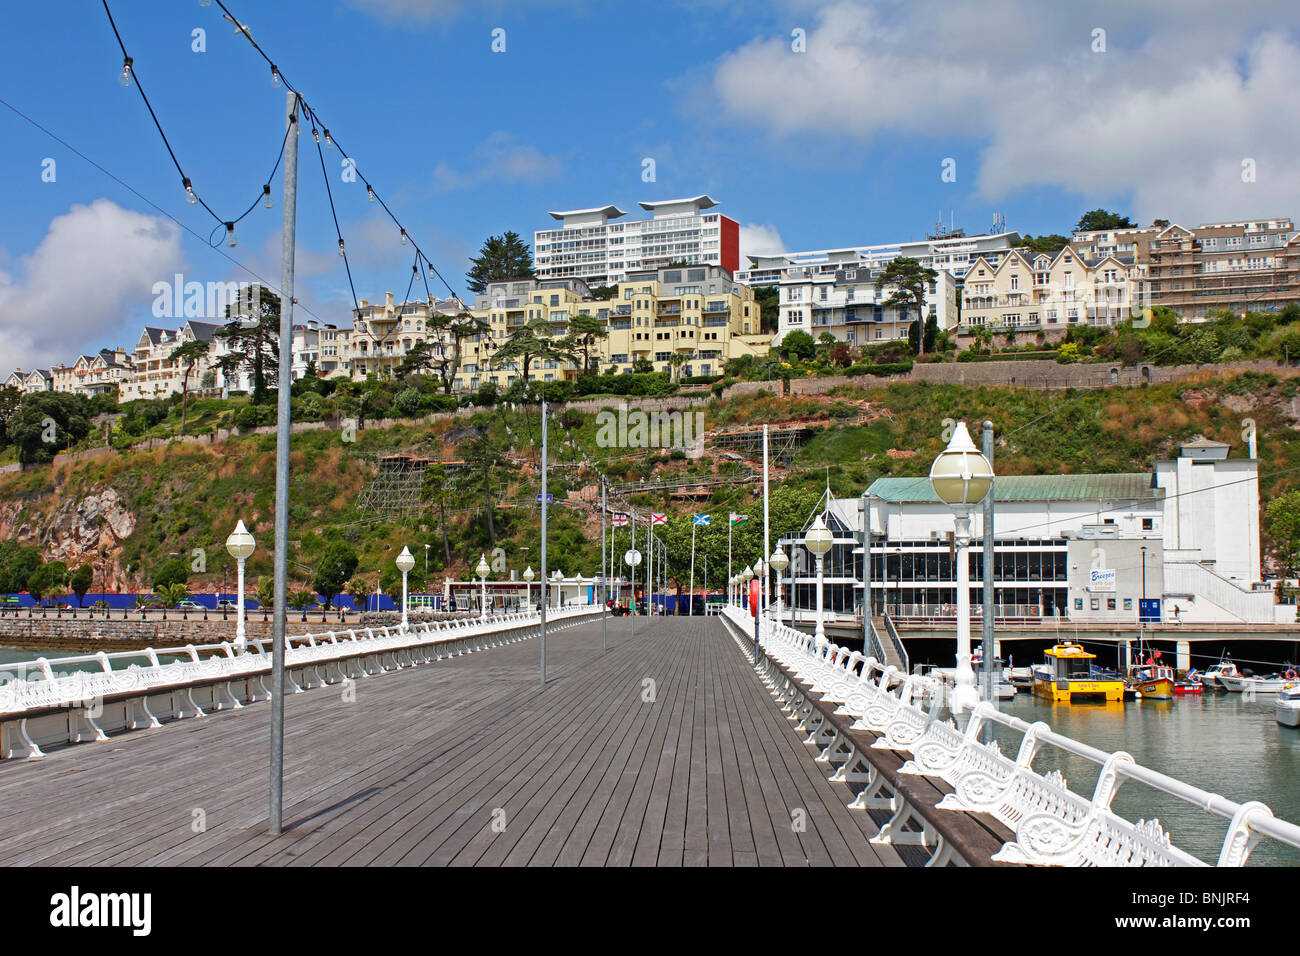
{"x": 1101, "y": 579}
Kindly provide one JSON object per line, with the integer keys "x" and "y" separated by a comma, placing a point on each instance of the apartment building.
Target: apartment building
{"x": 951, "y": 253}
{"x": 589, "y": 245}
{"x": 382, "y": 335}
{"x": 1249, "y": 266}
{"x": 698, "y": 312}
{"x": 155, "y": 374}
{"x": 845, "y": 304}
{"x": 1048, "y": 293}
{"x": 93, "y": 374}
{"x": 321, "y": 345}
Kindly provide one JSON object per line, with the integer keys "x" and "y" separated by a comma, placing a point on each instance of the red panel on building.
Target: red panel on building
{"x": 730, "y": 248}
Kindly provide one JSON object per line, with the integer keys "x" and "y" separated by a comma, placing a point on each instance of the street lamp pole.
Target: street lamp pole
{"x": 482, "y": 571}
{"x": 778, "y": 562}
{"x": 405, "y": 561}
{"x": 240, "y": 544}
{"x": 818, "y": 540}
{"x": 961, "y": 477}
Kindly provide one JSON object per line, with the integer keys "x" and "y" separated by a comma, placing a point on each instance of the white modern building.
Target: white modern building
{"x": 846, "y": 304}
{"x": 952, "y": 253}
{"x": 590, "y": 245}
{"x": 1087, "y": 548}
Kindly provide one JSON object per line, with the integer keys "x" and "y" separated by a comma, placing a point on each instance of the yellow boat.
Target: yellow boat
{"x": 1068, "y": 673}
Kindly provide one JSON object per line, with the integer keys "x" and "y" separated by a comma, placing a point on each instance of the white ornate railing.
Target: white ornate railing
{"x": 45, "y": 703}
{"x": 1052, "y": 824}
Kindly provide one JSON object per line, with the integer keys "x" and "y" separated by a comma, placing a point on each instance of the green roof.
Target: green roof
{"x": 1031, "y": 488}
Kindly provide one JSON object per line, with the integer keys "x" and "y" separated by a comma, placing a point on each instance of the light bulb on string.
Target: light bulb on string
{"x": 404, "y": 237}
{"x": 189, "y": 192}
{"x": 370, "y": 193}
{"x": 329, "y": 143}
{"x": 125, "y": 77}
{"x": 275, "y": 76}
{"x": 342, "y": 251}
{"x": 231, "y": 241}
{"x": 315, "y": 134}
{"x": 266, "y": 196}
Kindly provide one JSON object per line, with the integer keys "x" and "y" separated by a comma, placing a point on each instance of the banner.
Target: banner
{"x": 738, "y": 519}
{"x": 619, "y": 521}
{"x": 701, "y": 520}
{"x": 658, "y": 519}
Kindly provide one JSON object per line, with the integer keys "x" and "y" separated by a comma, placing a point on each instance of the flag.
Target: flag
{"x": 619, "y": 521}
{"x": 738, "y": 519}
{"x": 701, "y": 520}
{"x": 658, "y": 519}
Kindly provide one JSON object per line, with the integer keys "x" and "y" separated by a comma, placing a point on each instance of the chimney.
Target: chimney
{"x": 388, "y": 300}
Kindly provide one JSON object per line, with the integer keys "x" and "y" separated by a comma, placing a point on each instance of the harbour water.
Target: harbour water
{"x": 1216, "y": 741}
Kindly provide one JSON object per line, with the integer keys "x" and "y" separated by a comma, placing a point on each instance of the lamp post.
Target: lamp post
{"x": 426, "y": 560}
{"x": 632, "y": 558}
{"x": 405, "y": 561}
{"x": 961, "y": 477}
{"x": 778, "y": 562}
{"x": 818, "y": 540}
{"x": 760, "y": 572}
{"x": 482, "y": 572}
{"x": 240, "y": 544}
{"x": 529, "y": 574}
{"x": 557, "y": 578}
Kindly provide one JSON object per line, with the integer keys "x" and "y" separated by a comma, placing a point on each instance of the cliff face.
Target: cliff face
{"x": 87, "y": 530}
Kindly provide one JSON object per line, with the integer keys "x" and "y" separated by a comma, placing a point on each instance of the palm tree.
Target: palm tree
{"x": 359, "y": 590}
{"x": 169, "y": 595}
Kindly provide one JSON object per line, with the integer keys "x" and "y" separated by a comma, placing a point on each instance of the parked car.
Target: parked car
{"x": 227, "y": 602}
{"x": 188, "y": 606}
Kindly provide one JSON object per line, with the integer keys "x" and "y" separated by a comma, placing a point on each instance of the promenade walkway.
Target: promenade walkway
{"x": 467, "y": 761}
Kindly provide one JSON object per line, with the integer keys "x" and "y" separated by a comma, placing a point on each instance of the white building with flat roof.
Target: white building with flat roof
{"x": 590, "y": 245}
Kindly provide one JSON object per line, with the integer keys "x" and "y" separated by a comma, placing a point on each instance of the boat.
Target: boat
{"x": 1287, "y": 707}
{"x": 1212, "y": 678}
{"x": 1003, "y": 688}
{"x": 1152, "y": 681}
{"x": 1192, "y": 683}
{"x": 1069, "y": 673}
{"x": 1273, "y": 684}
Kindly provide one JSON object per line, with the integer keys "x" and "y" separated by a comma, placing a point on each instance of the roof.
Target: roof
{"x": 613, "y": 212}
{"x": 703, "y": 202}
{"x": 1031, "y": 488}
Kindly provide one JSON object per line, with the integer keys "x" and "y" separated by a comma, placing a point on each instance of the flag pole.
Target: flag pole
{"x": 690, "y": 586}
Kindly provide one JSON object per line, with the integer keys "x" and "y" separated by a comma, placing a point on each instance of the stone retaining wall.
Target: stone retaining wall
{"x": 91, "y": 636}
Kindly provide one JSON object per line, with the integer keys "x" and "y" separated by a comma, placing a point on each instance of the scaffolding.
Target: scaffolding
{"x": 747, "y": 443}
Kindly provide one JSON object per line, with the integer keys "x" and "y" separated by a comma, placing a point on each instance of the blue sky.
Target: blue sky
{"x": 840, "y": 144}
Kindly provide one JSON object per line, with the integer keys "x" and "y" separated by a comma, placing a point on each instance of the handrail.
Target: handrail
{"x": 898, "y": 643}
{"x": 1082, "y": 828}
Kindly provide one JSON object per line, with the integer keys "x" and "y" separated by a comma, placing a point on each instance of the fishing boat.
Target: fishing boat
{"x": 1192, "y": 683}
{"x": 1212, "y": 678}
{"x": 1272, "y": 684}
{"x": 1152, "y": 681}
{"x": 1287, "y": 707}
{"x": 1069, "y": 674}
{"x": 1003, "y": 688}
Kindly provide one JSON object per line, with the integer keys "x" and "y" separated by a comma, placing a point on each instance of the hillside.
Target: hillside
{"x": 127, "y": 513}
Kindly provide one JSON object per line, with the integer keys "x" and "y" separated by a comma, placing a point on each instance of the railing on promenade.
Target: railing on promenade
{"x": 897, "y": 641}
{"x": 51, "y": 701}
{"x": 1050, "y": 823}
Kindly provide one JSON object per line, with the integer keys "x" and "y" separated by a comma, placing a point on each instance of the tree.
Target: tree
{"x": 48, "y": 581}
{"x": 419, "y": 358}
{"x": 484, "y": 454}
{"x": 254, "y": 347}
{"x": 80, "y": 582}
{"x": 604, "y": 293}
{"x": 173, "y": 571}
{"x": 17, "y": 562}
{"x": 337, "y": 564}
{"x": 797, "y": 345}
{"x": 502, "y": 257}
{"x": 1050, "y": 244}
{"x": 302, "y": 599}
{"x": 676, "y": 361}
{"x": 169, "y": 595}
{"x": 1282, "y": 518}
{"x": 359, "y": 590}
{"x": 768, "y": 298}
{"x": 910, "y": 280}
{"x": 434, "y": 489}
{"x": 189, "y": 354}
{"x": 584, "y": 332}
{"x": 533, "y": 341}
{"x": 1101, "y": 219}
{"x": 10, "y": 401}
{"x": 47, "y": 422}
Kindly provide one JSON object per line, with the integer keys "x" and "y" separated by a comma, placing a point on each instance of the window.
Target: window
{"x": 1148, "y": 524}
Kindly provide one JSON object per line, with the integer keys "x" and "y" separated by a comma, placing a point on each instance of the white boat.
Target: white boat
{"x": 1212, "y": 678}
{"x": 1287, "y": 708}
{"x": 1257, "y": 685}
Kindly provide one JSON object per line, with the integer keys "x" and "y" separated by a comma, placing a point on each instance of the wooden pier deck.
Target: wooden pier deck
{"x": 422, "y": 765}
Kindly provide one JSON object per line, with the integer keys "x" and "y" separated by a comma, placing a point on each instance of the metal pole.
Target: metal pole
{"x": 604, "y": 576}
{"x": 764, "y": 589}
{"x": 631, "y": 580}
{"x": 866, "y": 574}
{"x": 542, "y": 580}
{"x": 287, "y": 237}
{"x": 241, "y": 637}
{"x": 690, "y": 587}
{"x": 990, "y": 648}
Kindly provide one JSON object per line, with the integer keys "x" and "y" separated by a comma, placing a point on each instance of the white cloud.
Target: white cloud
{"x": 419, "y": 11}
{"x": 1013, "y": 90}
{"x": 759, "y": 239}
{"x": 499, "y": 158}
{"x": 90, "y": 275}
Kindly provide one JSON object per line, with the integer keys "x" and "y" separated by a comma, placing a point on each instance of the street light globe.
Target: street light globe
{"x": 779, "y": 560}
{"x": 404, "y": 560}
{"x": 818, "y": 538}
{"x": 961, "y": 475}
{"x": 758, "y": 568}
{"x": 632, "y": 558}
{"x": 482, "y": 570}
{"x": 529, "y": 573}
{"x": 747, "y": 575}
{"x": 240, "y": 544}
